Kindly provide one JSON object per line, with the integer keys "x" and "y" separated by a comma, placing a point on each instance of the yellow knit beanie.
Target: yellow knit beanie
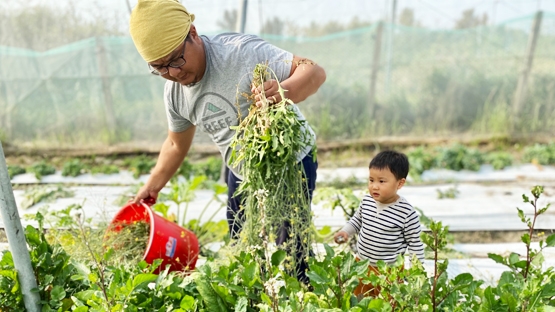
{"x": 158, "y": 27}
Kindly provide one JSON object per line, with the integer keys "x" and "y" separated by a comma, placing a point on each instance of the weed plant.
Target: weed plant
{"x": 15, "y": 170}
{"x": 240, "y": 282}
{"x": 420, "y": 159}
{"x": 457, "y": 157}
{"x": 274, "y": 189}
{"x": 451, "y": 193}
{"x": 73, "y": 168}
{"x": 128, "y": 240}
{"x": 104, "y": 169}
{"x": 139, "y": 165}
{"x": 542, "y": 154}
{"x": 38, "y": 194}
{"x": 210, "y": 168}
{"x": 499, "y": 160}
{"x": 41, "y": 169}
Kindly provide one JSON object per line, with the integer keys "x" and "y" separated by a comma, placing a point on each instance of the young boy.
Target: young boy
{"x": 385, "y": 222}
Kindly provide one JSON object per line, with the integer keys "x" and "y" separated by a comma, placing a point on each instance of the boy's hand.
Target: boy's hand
{"x": 341, "y": 237}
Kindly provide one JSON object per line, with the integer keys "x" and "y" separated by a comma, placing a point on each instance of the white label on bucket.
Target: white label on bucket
{"x": 170, "y": 247}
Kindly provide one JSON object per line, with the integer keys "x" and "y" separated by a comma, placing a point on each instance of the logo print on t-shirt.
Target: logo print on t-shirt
{"x": 217, "y": 114}
{"x": 211, "y": 111}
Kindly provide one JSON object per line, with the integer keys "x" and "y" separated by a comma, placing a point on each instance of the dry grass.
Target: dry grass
{"x": 130, "y": 242}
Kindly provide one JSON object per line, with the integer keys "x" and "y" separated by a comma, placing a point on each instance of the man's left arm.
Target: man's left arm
{"x": 305, "y": 79}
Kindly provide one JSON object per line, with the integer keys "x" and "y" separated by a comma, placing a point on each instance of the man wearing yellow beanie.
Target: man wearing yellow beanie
{"x": 204, "y": 77}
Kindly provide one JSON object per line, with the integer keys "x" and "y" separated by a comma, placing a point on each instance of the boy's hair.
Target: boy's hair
{"x": 396, "y": 162}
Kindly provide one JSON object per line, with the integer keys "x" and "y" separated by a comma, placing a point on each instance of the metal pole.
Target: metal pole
{"x": 390, "y": 46}
{"x": 16, "y": 240}
{"x": 375, "y": 68}
{"x": 128, "y": 6}
{"x": 109, "y": 114}
{"x": 520, "y": 92}
{"x": 242, "y": 16}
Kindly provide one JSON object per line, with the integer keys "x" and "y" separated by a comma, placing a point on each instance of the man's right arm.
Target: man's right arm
{"x": 173, "y": 151}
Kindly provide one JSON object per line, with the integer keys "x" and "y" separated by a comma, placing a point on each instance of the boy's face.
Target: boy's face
{"x": 383, "y": 185}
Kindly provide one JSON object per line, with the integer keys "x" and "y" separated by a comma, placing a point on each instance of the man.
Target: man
{"x": 206, "y": 77}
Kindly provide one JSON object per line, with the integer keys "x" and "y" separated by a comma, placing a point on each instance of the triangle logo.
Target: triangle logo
{"x": 213, "y": 108}
{"x": 211, "y": 111}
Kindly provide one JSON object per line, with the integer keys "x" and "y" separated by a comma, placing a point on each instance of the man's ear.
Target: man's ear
{"x": 193, "y": 31}
{"x": 401, "y": 183}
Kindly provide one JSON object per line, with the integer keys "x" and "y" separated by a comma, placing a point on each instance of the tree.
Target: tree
{"x": 357, "y": 23}
{"x": 331, "y": 27}
{"x": 315, "y": 30}
{"x": 229, "y": 21}
{"x": 469, "y": 19}
{"x": 42, "y": 27}
{"x": 273, "y": 26}
{"x": 407, "y": 18}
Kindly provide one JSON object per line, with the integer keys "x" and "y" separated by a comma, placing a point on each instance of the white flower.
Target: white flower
{"x": 261, "y": 193}
{"x": 273, "y": 285}
{"x": 189, "y": 279}
{"x": 300, "y": 296}
{"x": 253, "y": 248}
{"x": 261, "y": 196}
{"x": 151, "y": 286}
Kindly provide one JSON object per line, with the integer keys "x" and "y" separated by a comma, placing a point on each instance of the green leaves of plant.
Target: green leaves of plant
{"x": 249, "y": 273}
{"x": 241, "y": 305}
{"x": 543, "y": 154}
{"x": 278, "y": 257}
{"x": 265, "y": 148}
{"x": 41, "y": 169}
{"x": 15, "y": 170}
{"x": 140, "y": 165}
{"x": 420, "y": 160}
{"x": 537, "y": 191}
{"x": 319, "y": 275}
{"x": 143, "y": 278}
{"x": 499, "y": 160}
{"x": 187, "y": 303}
{"x": 497, "y": 258}
{"x": 550, "y": 241}
{"x": 73, "y": 168}
{"x": 39, "y": 194}
{"x": 214, "y": 303}
{"x": 57, "y": 294}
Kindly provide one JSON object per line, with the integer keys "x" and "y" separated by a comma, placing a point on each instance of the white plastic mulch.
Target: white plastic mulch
{"x": 486, "y": 201}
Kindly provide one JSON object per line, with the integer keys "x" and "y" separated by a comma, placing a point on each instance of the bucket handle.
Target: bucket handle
{"x": 149, "y": 201}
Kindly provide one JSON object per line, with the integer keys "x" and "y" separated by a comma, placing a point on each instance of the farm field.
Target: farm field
{"x": 467, "y": 99}
{"x": 485, "y": 200}
{"x": 482, "y": 215}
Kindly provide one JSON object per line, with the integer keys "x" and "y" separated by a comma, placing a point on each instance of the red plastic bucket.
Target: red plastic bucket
{"x": 176, "y": 246}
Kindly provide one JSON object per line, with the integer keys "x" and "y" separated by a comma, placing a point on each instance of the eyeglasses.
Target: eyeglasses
{"x": 176, "y": 63}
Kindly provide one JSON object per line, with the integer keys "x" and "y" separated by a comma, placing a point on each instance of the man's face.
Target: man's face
{"x": 185, "y": 64}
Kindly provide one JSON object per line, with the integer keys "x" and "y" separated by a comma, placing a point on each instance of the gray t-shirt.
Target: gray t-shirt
{"x": 211, "y": 104}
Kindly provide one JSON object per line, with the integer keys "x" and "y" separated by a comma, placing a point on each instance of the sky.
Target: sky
{"x": 437, "y": 14}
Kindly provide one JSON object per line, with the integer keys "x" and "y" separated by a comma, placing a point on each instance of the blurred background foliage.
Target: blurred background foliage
{"x": 66, "y": 81}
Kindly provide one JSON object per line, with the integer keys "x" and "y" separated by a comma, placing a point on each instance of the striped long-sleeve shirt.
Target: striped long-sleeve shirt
{"x": 385, "y": 231}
